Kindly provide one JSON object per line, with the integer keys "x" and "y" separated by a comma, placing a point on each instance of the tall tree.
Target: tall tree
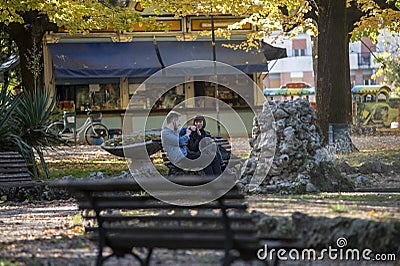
{"x": 333, "y": 101}
{"x": 26, "y": 22}
{"x": 335, "y": 22}
{"x": 339, "y": 22}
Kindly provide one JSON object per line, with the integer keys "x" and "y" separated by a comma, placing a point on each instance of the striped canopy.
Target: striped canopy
{"x": 370, "y": 89}
{"x": 289, "y": 91}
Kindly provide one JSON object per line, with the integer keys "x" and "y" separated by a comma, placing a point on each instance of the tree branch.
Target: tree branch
{"x": 313, "y": 14}
{"x": 385, "y": 4}
{"x": 354, "y": 14}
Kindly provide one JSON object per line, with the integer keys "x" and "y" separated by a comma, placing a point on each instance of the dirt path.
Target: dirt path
{"x": 377, "y": 143}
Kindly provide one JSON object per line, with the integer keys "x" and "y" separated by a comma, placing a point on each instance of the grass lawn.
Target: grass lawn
{"x": 389, "y": 157}
{"x": 80, "y": 167}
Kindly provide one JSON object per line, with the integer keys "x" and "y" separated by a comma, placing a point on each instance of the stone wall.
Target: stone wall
{"x": 322, "y": 232}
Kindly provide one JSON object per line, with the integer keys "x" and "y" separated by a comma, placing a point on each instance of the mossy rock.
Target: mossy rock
{"x": 326, "y": 177}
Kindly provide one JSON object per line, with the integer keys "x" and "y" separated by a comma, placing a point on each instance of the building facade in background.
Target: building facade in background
{"x": 103, "y": 70}
{"x": 298, "y": 66}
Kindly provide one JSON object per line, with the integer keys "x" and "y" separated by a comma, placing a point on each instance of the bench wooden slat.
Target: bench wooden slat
{"x": 17, "y": 182}
{"x": 130, "y": 185}
{"x": 104, "y": 205}
{"x": 232, "y": 195}
{"x": 180, "y": 230}
{"x": 110, "y": 203}
{"x": 13, "y": 163}
{"x": 15, "y": 175}
{"x": 13, "y": 170}
{"x": 200, "y": 218}
{"x": 10, "y": 155}
{"x": 7, "y": 161}
{"x": 15, "y": 178}
{"x": 173, "y": 241}
{"x": 22, "y": 184}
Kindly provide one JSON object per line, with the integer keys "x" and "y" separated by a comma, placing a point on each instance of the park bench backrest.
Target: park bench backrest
{"x": 223, "y": 144}
{"x": 13, "y": 168}
{"x": 126, "y": 217}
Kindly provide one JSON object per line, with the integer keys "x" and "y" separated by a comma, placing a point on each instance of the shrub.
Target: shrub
{"x": 8, "y": 126}
{"x": 23, "y": 122}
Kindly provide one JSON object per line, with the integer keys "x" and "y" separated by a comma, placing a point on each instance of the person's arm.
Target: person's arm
{"x": 182, "y": 132}
{"x": 183, "y": 140}
{"x": 168, "y": 138}
{"x": 184, "y": 135}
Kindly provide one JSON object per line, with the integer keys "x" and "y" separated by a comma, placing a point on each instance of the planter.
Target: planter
{"x": 133, "y": 144}
{"x": 152, "y": 147}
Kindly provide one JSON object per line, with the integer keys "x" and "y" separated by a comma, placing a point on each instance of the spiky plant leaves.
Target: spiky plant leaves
{"x": 33, "y": 115}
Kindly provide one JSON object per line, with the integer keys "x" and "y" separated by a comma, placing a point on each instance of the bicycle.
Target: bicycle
{"x": 93, "y": 129}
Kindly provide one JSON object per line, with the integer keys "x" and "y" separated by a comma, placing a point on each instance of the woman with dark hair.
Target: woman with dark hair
{"x": 193, "y": 146}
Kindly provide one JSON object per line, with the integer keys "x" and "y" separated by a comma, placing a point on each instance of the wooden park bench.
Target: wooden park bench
{"x": 226, "y": 151}
{"x": 130, "y": 221}
{"x": 15, "y": 176}
{"x": 13, "y": 168}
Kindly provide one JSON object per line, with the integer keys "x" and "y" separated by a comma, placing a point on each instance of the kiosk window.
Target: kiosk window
{"x": 143, "y": 94}
{"x": 98, "y": 97}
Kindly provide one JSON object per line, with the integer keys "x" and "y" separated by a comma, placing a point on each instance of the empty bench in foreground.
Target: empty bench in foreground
{"x": 125, "y": 218}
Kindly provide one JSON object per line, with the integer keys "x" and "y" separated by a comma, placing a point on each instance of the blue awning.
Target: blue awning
{"x": 144, "y": 58}
{"x": 104, "y": 60}
{"x": 249, "y": 62}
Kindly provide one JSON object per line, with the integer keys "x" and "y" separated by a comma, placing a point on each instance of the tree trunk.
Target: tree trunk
{"x": 27, "y": 35}
{"x": 348, "y": 86}
{"x": 22, "y": 37}
{"x": 332, "y": 89}
{"x": 314, "y": 40}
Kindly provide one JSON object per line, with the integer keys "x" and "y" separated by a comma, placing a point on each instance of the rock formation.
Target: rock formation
{"x": 296, "y": 162}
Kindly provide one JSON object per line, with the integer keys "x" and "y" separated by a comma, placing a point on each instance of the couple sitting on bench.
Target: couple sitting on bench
{"x": 191, "y": 148}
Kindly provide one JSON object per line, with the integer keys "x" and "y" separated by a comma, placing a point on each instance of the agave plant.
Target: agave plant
{"x": 31, "y": 116}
